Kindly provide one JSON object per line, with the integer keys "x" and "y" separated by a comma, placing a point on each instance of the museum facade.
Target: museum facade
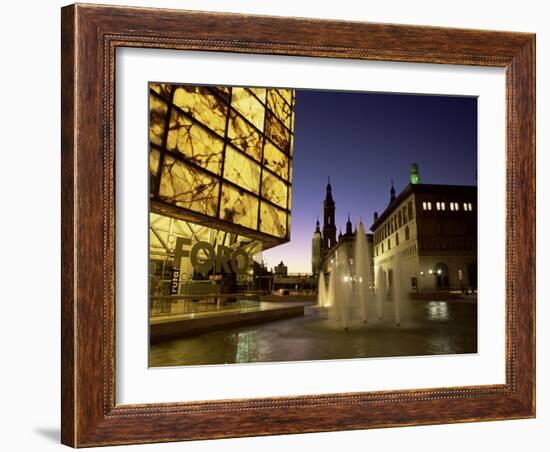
{"x": 220, "y": 185}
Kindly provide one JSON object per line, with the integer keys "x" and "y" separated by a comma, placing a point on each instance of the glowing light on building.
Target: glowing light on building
{"x": 220, "y": 181}
{"x": 222, "y": 155}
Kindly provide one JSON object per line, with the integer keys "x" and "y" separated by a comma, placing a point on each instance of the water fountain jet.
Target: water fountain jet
{"x": 349, "y": 293}
{"x": 321, "y": 291}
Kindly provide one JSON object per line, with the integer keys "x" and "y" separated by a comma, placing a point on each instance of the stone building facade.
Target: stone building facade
{"x": 430, "y": 232}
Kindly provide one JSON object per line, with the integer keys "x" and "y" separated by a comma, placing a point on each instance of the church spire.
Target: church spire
{"x": 316, "y": 250}
{"x": 392, "y": 192}
{"x": 328, "y": 196}
{"x": 329, "y": 226}
{"x": 349, "y": 230}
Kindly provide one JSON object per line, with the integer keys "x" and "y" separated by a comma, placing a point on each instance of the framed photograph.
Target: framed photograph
{"x": 281, "y": 225}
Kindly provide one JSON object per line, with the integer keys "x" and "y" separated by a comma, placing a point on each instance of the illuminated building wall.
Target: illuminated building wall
{"x": 223, "y": 155}
{"x": 431, "y": 231}
{"x": 220, "y": 172}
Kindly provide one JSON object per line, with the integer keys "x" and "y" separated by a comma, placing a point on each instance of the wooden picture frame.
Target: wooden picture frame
{"x": 90, "y": 36}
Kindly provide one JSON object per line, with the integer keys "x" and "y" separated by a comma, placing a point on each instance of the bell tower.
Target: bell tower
{"x": 329, "y": 227}
{"x": 316, "y": 250}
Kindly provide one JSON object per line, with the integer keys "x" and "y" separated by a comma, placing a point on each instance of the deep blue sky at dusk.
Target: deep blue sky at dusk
{"x": 363, "y": 141}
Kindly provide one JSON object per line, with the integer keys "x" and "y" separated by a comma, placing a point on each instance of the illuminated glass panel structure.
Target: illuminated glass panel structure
{"x": 222, "y": 157}
{"x": 196, "y": 259}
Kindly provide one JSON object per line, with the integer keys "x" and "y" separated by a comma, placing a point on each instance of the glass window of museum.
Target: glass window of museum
{"x": 220, "y": 184}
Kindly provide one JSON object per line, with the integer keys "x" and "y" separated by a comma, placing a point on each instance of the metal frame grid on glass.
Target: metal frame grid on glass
{"x": 223, "y": 153}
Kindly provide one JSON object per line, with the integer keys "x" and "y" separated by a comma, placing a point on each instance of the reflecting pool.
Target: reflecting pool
{"x": 427, "y": 328}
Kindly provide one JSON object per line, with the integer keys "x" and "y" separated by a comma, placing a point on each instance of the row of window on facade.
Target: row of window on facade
{"x": 441, "y": 205}
{"x": 399, "y": 219}
{"x": 407, "y": 237}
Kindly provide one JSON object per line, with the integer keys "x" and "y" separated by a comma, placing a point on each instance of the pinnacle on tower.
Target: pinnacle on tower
{"x": 329, "y": 191}
{"x": 349, "y": 226}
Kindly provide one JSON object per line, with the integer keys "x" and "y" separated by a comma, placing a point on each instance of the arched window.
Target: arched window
{"x": 407, "y": 233}
{"x": 410, "y": 210}
{"x": 396, "y": 238}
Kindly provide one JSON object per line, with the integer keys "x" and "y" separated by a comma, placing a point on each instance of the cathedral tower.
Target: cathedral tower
{"x": 316, "y": 253}
{"x": 329, "y": 228}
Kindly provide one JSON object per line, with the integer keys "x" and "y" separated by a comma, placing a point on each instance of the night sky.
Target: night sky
{"x": 363, "y": 141}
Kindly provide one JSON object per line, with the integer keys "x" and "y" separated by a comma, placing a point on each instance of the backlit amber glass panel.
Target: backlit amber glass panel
{"x": 275, "y": 160}
{"x": 239, "y": 207}
{"x": 250, "y": 107}
{"x": 260, "y": 93}
{"x": 187, "y": 187}
{"x": 278, "y": 106}
{"x": 289, "y": 198}
{"x": 241, "y": 170}
{"x": 244, "y": 136}
{"x": 154, "y": 157}
{"x": 278, "y": 133}
{"x": 288, "y": 228}
{"x": 233, "y": 138}
{"x": 274, "y": 189}
{"x": 201, "y": 104}
{"x": 222, "y": 91}
{"x": 195, "y": 142}
{"x": 272, "y": 220}
{"x": 286, "y": 94}
{"x": 157, "y": 125}
{"x": 161, "y": 88}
